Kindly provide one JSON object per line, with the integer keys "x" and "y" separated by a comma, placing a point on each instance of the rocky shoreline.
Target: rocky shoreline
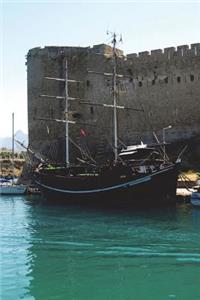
{"x": 10, "y": 168}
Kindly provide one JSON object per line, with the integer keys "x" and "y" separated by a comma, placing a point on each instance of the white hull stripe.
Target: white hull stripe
{"x": 123, "y": 185}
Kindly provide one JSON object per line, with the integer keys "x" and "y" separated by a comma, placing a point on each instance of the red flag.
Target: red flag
{"x": 82, "y": 133}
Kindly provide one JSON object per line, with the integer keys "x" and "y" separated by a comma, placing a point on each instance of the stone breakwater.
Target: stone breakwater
{"x": 6, "y": 169}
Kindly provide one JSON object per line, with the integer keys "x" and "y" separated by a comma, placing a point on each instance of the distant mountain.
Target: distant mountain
{"x": 6, "y": 142}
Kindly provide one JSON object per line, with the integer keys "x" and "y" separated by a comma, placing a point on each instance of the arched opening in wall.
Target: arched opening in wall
{"x": 166, "y": 79}
{"x": 92, "y": 110}
{"x": 140, "y": 83}
{"x": 87, "y": 83}
{"x": 192, "y": 77}
{"x": 178, "y": 79}
{"x": 153, "y": 82}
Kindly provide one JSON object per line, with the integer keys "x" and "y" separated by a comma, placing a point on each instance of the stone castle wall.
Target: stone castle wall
{"x": 166, "y": 84}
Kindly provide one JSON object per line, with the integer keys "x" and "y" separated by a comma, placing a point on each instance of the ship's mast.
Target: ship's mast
{"x": 66, "y": 112}
{"x": 115, "y": 97}
{"x": 13, "y": 146}
{"x": 66, "y": 118}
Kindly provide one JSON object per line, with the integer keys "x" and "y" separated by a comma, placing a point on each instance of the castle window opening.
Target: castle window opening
{"x": 76, "y": 115}
{"x": 166, "y": 80}
{"x": 130, "y": 72}
{"x": 140, "y": 83}
{"x": 92, "y": 110}
{"x": 178, "y": 79}
{"x": 87, "y": 83}
{"x": 35, "y": 112}
{"x": 108, "y": 82}
{"x": 192, "y": 77}
{"x": 153, "y": 82}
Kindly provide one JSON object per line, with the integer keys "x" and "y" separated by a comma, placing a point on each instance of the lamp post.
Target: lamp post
{"x": 164, "y": 129}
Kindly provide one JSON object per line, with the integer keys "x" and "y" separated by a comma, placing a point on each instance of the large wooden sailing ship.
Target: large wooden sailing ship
{"x": 137, "y": 175}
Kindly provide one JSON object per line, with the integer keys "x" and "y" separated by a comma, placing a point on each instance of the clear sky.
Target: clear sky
{"x": 144, "y": 25}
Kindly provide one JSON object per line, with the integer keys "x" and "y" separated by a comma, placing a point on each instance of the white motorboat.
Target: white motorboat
{"x": 12, "y": 189}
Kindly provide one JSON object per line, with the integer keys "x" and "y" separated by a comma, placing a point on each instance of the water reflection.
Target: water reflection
{"x": 196, "y": 217}
{"x": 62, "y": 252}
{"x": 15, "y": 241}
{"x": 88, "y": 254}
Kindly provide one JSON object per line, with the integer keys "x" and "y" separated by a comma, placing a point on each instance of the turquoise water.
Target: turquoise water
{"x": 60, "y": 252}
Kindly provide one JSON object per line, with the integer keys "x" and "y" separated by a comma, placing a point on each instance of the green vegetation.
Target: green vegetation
{"x": 7, "y": 165}
{"x": 192, "y": 175}
{"x": 8, "y": 155}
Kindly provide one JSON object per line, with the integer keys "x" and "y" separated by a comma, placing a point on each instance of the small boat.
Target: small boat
{"x": 138, "y": 175}
{"x": 10, "y": 186}
{"x": 195, "y": 198}
{"x": 12, "y": 189}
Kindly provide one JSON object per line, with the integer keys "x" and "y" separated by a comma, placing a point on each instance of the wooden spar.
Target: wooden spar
{"x": 57, "y": 120}
{"x": 92, "y": 103}
{"x": 62, "y": 79}
{"x": 110, "y": 105}
{"x": 49, "y": 96}
{"x": 61, "y": 97}
{"x": 64, "y": 121}
{"x": 108, "y": 74}
{"x": 54, "y": 78}
{"x": 31, "y": 151}
{"x": 72, "y": 80}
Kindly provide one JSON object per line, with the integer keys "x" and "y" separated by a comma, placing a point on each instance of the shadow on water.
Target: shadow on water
{"x": 92, "y": 253}
{"x": 104, "y": 206}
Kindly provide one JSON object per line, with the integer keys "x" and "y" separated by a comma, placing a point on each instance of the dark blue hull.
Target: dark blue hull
{"x": 150, "y": 189}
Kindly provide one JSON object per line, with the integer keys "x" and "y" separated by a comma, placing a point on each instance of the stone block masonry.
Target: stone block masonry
{"x": 165, "y": 83}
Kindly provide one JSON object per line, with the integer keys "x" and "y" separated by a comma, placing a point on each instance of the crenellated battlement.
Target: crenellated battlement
{"x": 167, "y": 53}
